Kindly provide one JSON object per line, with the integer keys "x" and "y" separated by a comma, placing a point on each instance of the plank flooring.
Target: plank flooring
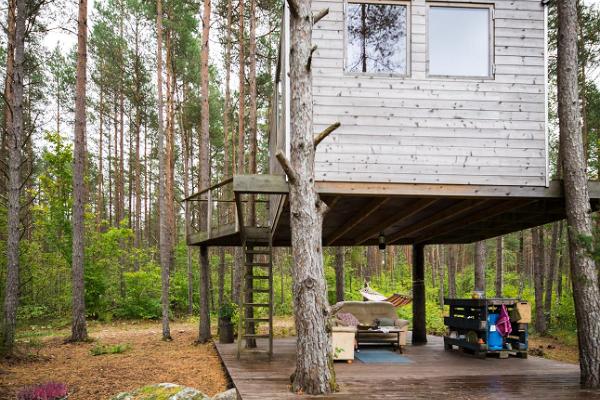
{"x": 432, "y": 374}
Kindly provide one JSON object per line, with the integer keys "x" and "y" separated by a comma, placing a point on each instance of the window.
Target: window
{"x": 376, "y": 38}
{"x": 459, "y": 41}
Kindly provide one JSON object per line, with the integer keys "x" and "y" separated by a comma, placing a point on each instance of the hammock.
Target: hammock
{"x": 398, "y": 300}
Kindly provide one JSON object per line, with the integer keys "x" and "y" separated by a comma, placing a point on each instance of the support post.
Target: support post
{"x": 419, "y": 333}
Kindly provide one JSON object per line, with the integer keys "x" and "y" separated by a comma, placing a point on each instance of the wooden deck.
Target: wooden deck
{"x": 433, "y": 374}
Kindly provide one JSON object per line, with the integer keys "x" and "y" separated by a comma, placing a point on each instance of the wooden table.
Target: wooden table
{"x": 379, "y": 331}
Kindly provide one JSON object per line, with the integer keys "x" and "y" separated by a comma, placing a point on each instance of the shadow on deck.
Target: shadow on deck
{"x": 432, "y": 374}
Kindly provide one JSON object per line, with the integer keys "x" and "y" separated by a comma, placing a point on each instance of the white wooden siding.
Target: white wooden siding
{"x": 435, "y": 130}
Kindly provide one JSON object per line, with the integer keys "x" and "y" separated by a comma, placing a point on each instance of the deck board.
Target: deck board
{"x": 433, "y": 373}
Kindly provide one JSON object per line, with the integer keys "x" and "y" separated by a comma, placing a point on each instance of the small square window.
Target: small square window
{"x": 459, "y": 41}
{"x": 376, "y": 38}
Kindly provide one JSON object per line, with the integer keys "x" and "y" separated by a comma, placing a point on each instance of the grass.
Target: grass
{"x": 101, "y": 349}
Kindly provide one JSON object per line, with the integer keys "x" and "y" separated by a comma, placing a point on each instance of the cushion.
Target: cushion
{"x": 384, "y": 321}
{"x": 347, "y": 319}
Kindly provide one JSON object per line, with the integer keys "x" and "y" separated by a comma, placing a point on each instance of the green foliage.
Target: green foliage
{"x": 227, "y": 310}
{"x": 101, "y": 349}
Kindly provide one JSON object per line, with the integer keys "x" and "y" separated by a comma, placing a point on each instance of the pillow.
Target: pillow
{"x": 384, "y": 321}
{"x": 347, "y": 319}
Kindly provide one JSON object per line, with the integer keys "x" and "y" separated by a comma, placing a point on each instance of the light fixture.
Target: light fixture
{"x": 381, "y": 242}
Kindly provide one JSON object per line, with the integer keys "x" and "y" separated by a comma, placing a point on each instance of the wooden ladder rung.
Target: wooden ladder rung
{"x": 258, "y": 264}
{"x": 265, "y": 252}
{"x": 258, "y": 276}
{"x": 257, "y": 336}
{"x": 256, "y": 319}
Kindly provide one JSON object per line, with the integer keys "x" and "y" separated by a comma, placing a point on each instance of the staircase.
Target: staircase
{"x": 256, "y": 295}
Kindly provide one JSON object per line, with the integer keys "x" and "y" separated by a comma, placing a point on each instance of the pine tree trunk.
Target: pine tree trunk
{"x": 453, "y": 255}
{"x": 204, "y": 171}
{"x": 314, "y": 362}
{"x": 584, "y": 273}
{"x": 78, "y": 327}
{"x": 15, "y": 143}
{"x": 137, "y": 163}
{"x": 339, "y": 273}
{"x": 537, "y": 243}
{"x": 499, "y": 266}
{"x": 551, "y": 272}
{"x": 252, "y": 109}
{"x": 163, "y": 228}
{"x": 480, "y": 266}
{"x": 440, "y": 271}
{"x": 521, "y": 264}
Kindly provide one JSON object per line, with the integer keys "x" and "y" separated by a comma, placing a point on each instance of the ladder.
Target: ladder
{"x": 257, "y": 280}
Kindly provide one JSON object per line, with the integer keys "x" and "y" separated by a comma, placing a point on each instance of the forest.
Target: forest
{"x": 178, "y": 97}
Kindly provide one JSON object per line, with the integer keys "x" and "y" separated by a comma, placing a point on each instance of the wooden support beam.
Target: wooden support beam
{"x": 495, "y": 209}
{"x": 407, "y": 212}
{"x": 419, "y": 332}
{"x": 239, "y": 213}
{"x": 437, "y": 218}
{"x": 366, "y": 212}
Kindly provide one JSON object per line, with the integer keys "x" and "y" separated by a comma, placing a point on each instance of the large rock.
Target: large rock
{"x": 163, "y": 391}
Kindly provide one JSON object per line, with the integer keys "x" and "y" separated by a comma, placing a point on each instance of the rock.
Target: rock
{"x": 163, "y": 391}
{"x": 230, "y": 394}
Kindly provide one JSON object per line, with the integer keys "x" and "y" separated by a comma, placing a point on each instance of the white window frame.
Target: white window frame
{"x": 492, "y": 49}
{"x": 405, "y": 3}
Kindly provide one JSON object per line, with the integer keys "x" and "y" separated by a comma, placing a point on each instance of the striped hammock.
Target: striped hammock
{"x": 398, "y": 300}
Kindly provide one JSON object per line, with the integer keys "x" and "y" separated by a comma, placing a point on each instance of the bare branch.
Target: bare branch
{"x": 309, "y": 62}
{"x": 321, "y": 136}
{"x": 320, "y": 15}
{"x": 293, "y": 8}
{"x": 287, "y": 168}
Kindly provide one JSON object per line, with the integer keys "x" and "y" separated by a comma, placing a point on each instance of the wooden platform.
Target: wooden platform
{"x": 432, "y": 374}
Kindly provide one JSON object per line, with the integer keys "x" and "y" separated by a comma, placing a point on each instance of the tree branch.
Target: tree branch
{"x": 321, "y": 136}
{"x": 309, "y": 62}
{"x": 293, "y": 8}
{"x": 320, "y": 15}
{"x": 287, "y": 168}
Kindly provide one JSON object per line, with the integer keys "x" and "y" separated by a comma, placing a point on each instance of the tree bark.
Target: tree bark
{"x": 480, "y": 262}
{"x": 537, "y": 243}
{"x": 419, "y": 334}
{"x": 78, "y": 327}
{"x": 551, "y": 273}
{"x": 164, "y": 236}
{"x": 15, "y": 145}
{"x": 453, "y": 254}
{"x": 204, "y": 172}
{"x": 499, "y": 266}
{"x": 584, "y": 274}
{"x": 314, "y": 362}
{"x": 440, "y": 269}
{"x": 339, "y": 273}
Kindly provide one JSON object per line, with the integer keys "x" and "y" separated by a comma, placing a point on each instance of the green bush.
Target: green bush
{"x": 101, "y": 349}
{"x": 142, "y": 294}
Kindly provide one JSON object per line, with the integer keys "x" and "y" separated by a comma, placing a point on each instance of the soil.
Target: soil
{"x": 553, "y": 349}
{"x": 149, "y": 360}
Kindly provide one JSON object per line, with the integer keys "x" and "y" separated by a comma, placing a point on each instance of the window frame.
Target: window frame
{"x": 405, "y": 3}
{"x": 491, "y": 39}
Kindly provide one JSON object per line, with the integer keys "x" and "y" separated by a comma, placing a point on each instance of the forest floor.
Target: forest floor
{"x": 148, "y": 360}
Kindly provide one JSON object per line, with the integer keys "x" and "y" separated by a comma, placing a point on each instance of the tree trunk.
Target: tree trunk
{"x": 440, "y": 266}
{"x": 314, "y": 362}
{"x": 137, "y": 163}
{"x": 15, "y": 145}
{"x": 204, "y": 172}
{"x": 252, "y": 109}
{"x": 521, "y": 263}
{"x": 499, "y": 266}
{"x": 561, "y": 262}
{"x": 453, "y": 254}
{"x": 163, "y": 230}
{"x": 537, "y": 243}
{"x": 584, "y": 275}
{"x": 480, "y": 262}
{"x": 78, "y": 327}
{"x": 551, "y": 273}
{"x": 339, "y": 273}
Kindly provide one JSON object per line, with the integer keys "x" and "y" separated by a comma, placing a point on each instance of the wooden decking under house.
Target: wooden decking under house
{"x": 432, "y": 373}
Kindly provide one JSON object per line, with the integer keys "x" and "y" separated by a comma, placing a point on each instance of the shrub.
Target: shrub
{"x": 47, "y": 391}
{"x": 101, "y": 349}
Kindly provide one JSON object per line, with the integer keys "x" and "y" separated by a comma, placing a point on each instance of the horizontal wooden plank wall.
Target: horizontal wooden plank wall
{"x": 435, "y": 130}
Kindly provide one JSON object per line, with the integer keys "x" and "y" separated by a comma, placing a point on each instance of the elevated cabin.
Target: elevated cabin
{"x": 443, "y": 136}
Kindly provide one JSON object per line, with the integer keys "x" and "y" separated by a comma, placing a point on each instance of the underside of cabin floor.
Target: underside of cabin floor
{"x": 359, "y": 213}
{"x": 432, "y": 373}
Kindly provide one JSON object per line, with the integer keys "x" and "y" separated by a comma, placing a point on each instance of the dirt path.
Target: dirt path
{"x": 149, "y": 360}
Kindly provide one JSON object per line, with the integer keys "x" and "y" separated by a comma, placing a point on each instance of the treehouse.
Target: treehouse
{"x": 443, "y": 134}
